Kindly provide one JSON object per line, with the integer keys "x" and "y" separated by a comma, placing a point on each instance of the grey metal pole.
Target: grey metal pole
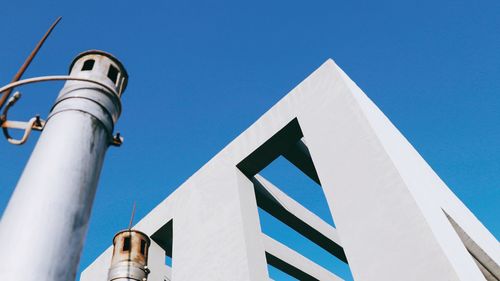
{"x": 44, "y": 225}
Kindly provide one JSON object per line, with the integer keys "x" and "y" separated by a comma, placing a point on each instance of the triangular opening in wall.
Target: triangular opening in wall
{"x": 164, "y": 238}
{"x": 288, "y": 178}
{"x": 285, "y": 161}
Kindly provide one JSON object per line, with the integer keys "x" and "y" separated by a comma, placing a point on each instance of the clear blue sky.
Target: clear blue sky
{"x": 201, "y": 72}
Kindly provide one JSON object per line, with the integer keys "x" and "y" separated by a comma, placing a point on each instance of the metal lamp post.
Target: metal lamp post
{"x": 44, "y": 225}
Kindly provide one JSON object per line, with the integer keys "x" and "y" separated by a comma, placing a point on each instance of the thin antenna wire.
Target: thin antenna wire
{"x": 131, "y": 217}
{"x": 27, "y": 62}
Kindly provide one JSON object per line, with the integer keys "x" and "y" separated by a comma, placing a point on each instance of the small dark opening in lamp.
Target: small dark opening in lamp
{"x": 88, "y": 65}
{"x": 113, "y": 73}
{"x": 126, "y": 244}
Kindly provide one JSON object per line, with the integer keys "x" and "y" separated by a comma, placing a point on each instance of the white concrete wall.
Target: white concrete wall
{"x": 217, "y": 230}
{"x": 98, "y": 270}
{"x": 386, "y": 201}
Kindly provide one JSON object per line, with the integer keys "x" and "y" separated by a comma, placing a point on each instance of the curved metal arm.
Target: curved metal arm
{"x": 54, "y": 78}
{"x": 36, "y": 123}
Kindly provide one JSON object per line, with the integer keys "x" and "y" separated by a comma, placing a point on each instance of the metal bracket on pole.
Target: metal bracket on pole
{"x": 34, "y": 123}
{"x": 117, "y": 140}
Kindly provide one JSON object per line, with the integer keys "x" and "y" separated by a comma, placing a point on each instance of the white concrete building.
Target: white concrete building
{"x": 395, "y": 218}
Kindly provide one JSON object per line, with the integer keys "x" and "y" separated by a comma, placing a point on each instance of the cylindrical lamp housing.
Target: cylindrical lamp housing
{"x": 130, "y": 256}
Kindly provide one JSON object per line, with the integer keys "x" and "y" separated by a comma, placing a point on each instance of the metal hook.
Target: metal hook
{"x": 117, "y": 141}
{"x": 34, "y": 123}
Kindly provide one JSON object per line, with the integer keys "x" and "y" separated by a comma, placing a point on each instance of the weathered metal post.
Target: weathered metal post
{"x": 46, "y": 220}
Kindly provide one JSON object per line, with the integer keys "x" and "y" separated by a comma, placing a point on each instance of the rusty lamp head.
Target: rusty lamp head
{"x": 130, "y": 256}
{"x": 103, "y": 73}
{"x": 99, "y": 74}
{"x": 101, "y": 66}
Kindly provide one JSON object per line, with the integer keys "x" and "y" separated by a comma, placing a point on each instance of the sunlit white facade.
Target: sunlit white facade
{"x": 395, "y": 218}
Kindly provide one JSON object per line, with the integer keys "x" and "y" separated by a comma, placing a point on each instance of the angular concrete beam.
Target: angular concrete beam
{"x": 293, "y": 263}
{"x": 274, "y": 201}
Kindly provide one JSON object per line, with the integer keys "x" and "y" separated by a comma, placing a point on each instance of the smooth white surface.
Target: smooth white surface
{"x": 385, "y": 200}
